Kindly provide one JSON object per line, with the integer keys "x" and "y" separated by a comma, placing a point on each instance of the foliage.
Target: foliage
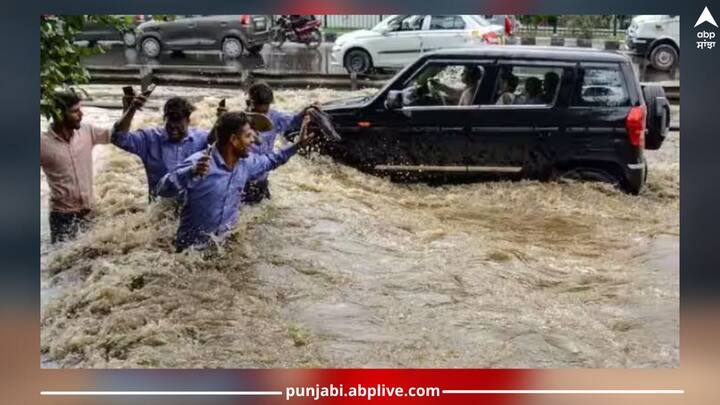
{"x": 60, "y": 56}
{"x": 537, "y": 20}
{"x": 582, "y": 26}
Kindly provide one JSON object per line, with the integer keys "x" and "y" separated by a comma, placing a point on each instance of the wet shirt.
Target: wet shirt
{"x": 158, "y": 153}
{"x": 68, "y": 167}
{"x": 282, "y": 122}
{"x": 212, "y": 202}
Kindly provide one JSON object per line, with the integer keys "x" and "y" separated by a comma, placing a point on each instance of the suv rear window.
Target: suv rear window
{"x": 601, "y": 87}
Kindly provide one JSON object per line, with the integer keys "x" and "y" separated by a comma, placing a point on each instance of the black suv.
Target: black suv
{"x": 505, "y": 112}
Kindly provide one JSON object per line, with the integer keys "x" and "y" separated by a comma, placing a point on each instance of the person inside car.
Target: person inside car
{"x": 549, "y": 85}
{"x": 508, "y": 84}
{"x": 470, "y": 78}
{"x": 533, "y": 92}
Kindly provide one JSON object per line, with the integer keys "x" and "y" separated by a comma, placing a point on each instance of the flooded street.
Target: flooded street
{"x": 344, "y": 269}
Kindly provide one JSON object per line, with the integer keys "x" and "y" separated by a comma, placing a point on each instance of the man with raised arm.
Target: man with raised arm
{"x": 213, "y": 181}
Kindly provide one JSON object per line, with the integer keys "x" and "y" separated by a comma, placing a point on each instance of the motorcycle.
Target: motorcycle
{"x": 306, "y": 31}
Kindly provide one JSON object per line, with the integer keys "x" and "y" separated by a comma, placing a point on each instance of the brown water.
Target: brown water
{"x": 343, "y": 269}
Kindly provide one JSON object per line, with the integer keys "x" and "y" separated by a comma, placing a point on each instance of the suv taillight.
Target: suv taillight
{"x": 635, "y": 125}
{"x": 508, "y": 26}
{"x": 245, "y": 19}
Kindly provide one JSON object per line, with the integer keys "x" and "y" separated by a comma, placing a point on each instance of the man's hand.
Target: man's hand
{"x": 138, "y": 102}
{"x": 202, "y": 166}
{"x": 305, "y": 137}
{"x": 123, "y": 124}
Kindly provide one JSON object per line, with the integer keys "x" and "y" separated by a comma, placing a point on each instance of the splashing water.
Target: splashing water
{"x": 343, "y": 269}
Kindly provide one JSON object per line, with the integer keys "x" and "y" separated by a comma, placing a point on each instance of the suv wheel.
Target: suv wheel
{"x": 358, "y": 61}
{"x": 232, "y": 48}
{"x": 658, "y": 116}
{"x": 590, "y": 174}
{"x": 150, "y": 47}
{"x": 129, "y": 39}
{"x": 663, "y": 57}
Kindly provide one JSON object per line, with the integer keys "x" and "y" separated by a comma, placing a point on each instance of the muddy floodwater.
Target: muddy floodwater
{"x": 343, "y": 269}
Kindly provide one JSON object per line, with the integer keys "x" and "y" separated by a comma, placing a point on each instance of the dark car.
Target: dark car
{"x": 505, "y": 112}
{"x": 230, "y": 34}
{"x": 96, "y": 31}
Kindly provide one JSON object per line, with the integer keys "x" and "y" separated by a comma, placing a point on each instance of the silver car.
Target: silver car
{"x": 230, "y": 34}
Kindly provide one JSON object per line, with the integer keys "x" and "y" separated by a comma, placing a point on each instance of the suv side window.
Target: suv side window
{"x": 447, "y": 22}
{"x": 444, "y": 84}
{"x": 601, "y": 87}
{"x": 519, "y": 84}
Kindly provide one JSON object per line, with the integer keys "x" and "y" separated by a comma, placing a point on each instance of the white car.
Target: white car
{"x": 657, "y": 38}
{"x": 400, "y": 39}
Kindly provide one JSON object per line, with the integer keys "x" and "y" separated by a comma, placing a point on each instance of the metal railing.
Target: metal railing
{"x": 566, "y": 32}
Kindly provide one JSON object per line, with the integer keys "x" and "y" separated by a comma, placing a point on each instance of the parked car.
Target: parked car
{"x": 94, "y": 31}
{"x": 657, "y": 39}
{"x": 505, "y": 112}
{"x": 230, "y": 34}
{"x": 399, "y": 39}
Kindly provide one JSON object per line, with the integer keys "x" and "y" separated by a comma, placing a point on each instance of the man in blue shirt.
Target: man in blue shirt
{"x": 164, "y": 147}
{"x": 213, "y": 181}
{"x": 260, "y": 97}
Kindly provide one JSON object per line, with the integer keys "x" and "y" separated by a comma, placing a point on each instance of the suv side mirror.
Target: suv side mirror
{"x": 394, "y": 100}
